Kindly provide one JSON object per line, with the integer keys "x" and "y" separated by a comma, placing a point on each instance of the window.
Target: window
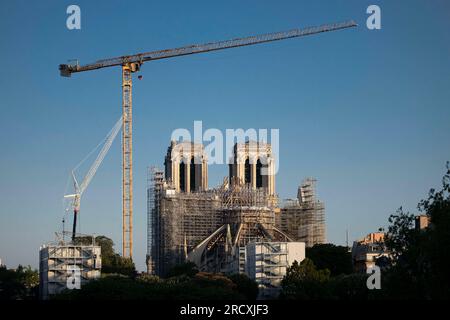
{"x": 182, "y": 175}
{"x": 259, "y": 180}
{"x": 247, "y": 171}
{"x": 192, "y": 186}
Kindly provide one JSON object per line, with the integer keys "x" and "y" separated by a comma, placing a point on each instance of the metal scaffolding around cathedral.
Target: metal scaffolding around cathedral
{"x": 212, "y": 227}
{"x": 304, "y": 218}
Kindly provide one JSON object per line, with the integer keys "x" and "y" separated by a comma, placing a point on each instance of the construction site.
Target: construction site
{"x": 224, "y": 152}
{"x": 131, "y": 64}
{"x": 213, "y": 227}
{"x": 304, "y": 217}
{"x": 187, "y": 221}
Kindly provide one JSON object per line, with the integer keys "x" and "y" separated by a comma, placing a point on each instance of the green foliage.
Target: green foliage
{"x": 203, "y": 286}
{"x": 185, "y": 283}
{"x": 105, "y": 243}
{"x": 147, "y": 278}
{"x": 246, "y": 286}
{"x": 434, "y": 253}
{"x": 111, "y": 261}
{"x": 421, "y": 258}
{"x": 207, "y": 279}
{"x": 350, "y": 287}
{"x": 119, "y": 265}
{"x": 401, "y": 234}
{"x": 306, "y": 270}
{"x": 305, "y": 282}
{"x": 19, "y": 284}
{"x": 189, "y": 269}
{"x": 337, "y": 259}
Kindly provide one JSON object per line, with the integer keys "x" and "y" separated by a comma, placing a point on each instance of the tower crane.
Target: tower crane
{"x": 132, "y": 63}
{"x": 80, "y": 188}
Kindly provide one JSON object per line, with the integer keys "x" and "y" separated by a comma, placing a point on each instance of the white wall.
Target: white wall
{"x": 296, "y": 251}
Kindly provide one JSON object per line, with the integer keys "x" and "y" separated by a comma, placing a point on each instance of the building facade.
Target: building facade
{"x": 369, "y": 251}
{"x": 253, "y": 163}
{"x": 186, "y": 167}
{"x": 267, "y": 264}
{"x": 422, "y": 222}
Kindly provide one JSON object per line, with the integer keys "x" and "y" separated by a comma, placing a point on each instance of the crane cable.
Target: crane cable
{"x": 93, "y": 150}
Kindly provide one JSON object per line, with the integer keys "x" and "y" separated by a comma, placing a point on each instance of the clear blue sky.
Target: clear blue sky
{"x": 365, "y": 112}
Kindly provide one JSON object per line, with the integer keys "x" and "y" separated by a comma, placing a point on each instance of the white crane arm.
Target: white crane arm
{"x": 93, "y": 169}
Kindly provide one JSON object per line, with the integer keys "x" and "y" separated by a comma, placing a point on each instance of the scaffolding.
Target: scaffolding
{"x": 267, "y": 264}
{"x": 177, "y": 221}
{"x": 244, "y": 195}
{"x": 304, "y": 218}
{"x": 186, "y": 219}
{"x": 248, "y": 211}
{"x": 247, "y": 215}
{"x": 67, "y": 266}
{"x": 155, "y": 182}
{"x": 229, "y": 216}
{"x": 307, "y": 191}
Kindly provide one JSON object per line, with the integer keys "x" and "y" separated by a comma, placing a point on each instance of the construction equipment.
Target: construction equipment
{"x": 80, "y": 188}
{"x": 132, "y": 63}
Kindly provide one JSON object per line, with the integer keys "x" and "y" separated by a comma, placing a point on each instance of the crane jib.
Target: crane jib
{"x": 66, "y": 69}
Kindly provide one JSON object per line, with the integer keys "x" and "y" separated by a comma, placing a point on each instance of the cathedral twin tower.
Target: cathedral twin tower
{"x": 252, "y": 163}
{"x": 186, "y": 166}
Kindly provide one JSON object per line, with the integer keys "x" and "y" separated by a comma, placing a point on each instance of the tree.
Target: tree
{"x": 401, "y": 235}
{"x": 421, "y": 257}
{"x": 120, "y": 265}
{"x": 29, "y": 278}
{"x": 188, "y": 269}
{"x": 19, "y": 284}
{"x": 337, "y": 259}
{"x": 111, "y": 261}
{"x": 435, "y": 251}
{"x": 305, "y": 282}
{"x": 245, "y": 285}
{"x": 147, "y": 278}
{"x": 349, "y": 287}
{"x": 203, "y": 286}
